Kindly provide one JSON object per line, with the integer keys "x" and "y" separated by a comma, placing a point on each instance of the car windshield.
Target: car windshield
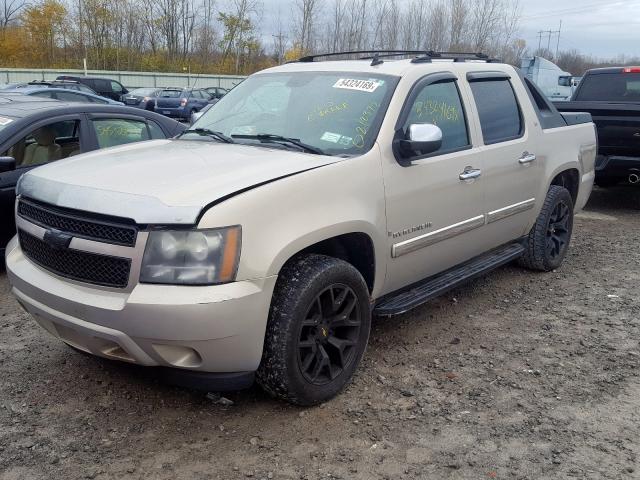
{"x": 338, "y": 113}
{"x": 170, "y": 93}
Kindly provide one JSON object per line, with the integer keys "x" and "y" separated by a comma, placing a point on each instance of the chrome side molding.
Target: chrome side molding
{"x": 510, "y": 210}
{"x": 427, "y": 239}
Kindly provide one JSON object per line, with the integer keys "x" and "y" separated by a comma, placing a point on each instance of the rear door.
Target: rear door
{"x": 512, "y": 165}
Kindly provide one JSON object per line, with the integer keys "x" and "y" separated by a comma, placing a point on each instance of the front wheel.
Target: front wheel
{"x": 317, "y": 331}
{"x": 548, "y": 241}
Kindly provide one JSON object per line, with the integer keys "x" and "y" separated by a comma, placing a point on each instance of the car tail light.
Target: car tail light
{"x": 631, "y": 70}
{"x": 183, "y": 102}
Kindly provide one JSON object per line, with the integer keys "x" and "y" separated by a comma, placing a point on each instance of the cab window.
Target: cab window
{"x": 119, "y": 131}
{"x": 46, "y": 144}
{"x": 498, "y": 110}
{"x": 440, "y": 104}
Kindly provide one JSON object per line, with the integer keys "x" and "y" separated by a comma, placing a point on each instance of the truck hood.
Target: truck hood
{"x": 162, "y": 181}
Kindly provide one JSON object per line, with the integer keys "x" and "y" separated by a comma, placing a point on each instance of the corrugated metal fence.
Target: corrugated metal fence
{"x": 128, "y": 79}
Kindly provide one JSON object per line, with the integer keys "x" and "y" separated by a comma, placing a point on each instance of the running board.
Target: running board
{"x": 432, "y": 287}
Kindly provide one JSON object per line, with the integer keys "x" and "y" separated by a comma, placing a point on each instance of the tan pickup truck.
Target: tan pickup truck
{"x": 259, "y": 243}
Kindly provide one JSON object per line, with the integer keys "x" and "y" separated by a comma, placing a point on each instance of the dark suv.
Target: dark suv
{"x": 181, "y": 102}
{"x": 103, "y": 86}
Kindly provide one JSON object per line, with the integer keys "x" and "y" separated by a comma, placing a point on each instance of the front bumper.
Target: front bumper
{"x": 201, "y": 329}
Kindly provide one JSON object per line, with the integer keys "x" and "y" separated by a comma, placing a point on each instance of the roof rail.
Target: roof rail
{"x": 456, "y": 57}
{"x": 420, "y": 56}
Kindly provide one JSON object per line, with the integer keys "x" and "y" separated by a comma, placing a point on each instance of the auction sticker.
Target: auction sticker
{"x": 368, "y": 86}
{"x": 5, "y": 121}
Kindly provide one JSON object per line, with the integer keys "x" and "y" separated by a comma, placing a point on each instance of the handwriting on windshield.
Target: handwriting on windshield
{"x": 436, "y": 110}
{"x": 364, "y": 124}
{"x": 322, "y": 111}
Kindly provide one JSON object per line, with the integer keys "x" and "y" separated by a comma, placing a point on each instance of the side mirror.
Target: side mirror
{"x": 7, "y": 164}
{"x": 422, "y": 139}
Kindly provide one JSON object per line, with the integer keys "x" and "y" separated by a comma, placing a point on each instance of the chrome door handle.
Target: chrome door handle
{"x": 527, "y": 158}
{"x": 470, "y": 173}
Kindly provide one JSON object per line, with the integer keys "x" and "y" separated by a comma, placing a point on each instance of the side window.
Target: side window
{"x": 44, "y": 94}
{"x": 440, "y": 104}
{"x": 116, "y": 87}
{"x": 118, "y": 131}
{"x": 101, "y": 86}
{"x": 47, "y": 144}
{"x": 498, "y": 109}
{"x": 155, "y": 130}
{"x": 71, "y": 97}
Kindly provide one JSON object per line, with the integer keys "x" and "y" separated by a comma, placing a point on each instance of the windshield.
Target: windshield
{"x": 338, "y": 113}
{"x": 610, "y": 87}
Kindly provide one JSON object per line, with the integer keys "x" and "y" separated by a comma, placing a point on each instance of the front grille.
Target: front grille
{"x": 73, "y": 223}
{"x": 75, "y": 264}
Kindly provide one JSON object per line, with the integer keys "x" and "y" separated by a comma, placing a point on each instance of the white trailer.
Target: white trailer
{"x": 555, "y": 83}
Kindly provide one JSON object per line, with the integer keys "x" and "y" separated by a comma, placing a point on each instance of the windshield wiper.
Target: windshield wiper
{"x": 271, "y": 138}
{"x": 209, "y": 133}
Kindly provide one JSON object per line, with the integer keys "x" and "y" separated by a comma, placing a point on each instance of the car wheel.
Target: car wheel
{"x": 548, "y": 240}
{"x": 317, "y": 331}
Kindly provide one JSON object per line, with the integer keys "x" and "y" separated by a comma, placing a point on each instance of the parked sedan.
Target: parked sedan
{"x": 142, "y": 98}
{"x": 216, "y": 92}
{"x": 35, "y": 131}
{"x": 62, "y": 94}
{"x": 181, "y": 102}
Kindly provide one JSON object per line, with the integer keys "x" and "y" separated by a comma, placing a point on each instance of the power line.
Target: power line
{"x": 581, "y": 9}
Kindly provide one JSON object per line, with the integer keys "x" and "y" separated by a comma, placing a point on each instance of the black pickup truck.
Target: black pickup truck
{"x": 612, "y": 97}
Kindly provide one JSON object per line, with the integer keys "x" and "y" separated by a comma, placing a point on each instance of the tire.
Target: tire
{"x": 305, "y": 330}
{"x": 548, "y": 241}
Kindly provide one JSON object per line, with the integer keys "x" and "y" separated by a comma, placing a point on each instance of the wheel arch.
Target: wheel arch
{"x": 568, "y": 178}
{"x": 356, "y": 247}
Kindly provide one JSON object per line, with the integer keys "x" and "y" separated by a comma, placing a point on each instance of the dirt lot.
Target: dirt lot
{"x": 519, "y": 375}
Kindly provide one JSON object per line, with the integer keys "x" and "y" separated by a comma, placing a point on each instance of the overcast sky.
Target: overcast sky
{"x": 604, "y": 28}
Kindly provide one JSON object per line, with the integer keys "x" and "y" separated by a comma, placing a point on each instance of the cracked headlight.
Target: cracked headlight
{"x": 191, "y": 257}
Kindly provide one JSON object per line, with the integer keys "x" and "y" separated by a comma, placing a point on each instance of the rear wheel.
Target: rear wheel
{"x": 548, "y": 240}
{"x": 317, "y": 331}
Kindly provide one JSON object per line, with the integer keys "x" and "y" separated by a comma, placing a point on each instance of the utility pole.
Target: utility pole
{"x": 549, "y": 34}
{"x": 558, "y": 43}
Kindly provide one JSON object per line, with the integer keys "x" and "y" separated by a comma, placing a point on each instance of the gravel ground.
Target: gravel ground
{"x": 517, "y": 375}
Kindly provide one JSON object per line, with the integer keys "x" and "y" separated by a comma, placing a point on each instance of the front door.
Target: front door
{"x": 435, "y": 208}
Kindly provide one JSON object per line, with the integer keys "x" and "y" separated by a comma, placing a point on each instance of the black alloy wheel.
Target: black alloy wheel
{"x": 329, "y": 335}
{"x": 558, "y": 230}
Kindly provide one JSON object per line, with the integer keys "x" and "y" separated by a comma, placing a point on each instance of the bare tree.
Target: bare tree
{"x": 10, "y": 12}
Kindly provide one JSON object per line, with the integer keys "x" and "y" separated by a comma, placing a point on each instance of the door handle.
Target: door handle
{"x": 470, "y": 173}
{"x": 527, "y": 158}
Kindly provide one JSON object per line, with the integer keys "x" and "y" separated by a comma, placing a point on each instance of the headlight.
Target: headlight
{"x": 191, "y": 257}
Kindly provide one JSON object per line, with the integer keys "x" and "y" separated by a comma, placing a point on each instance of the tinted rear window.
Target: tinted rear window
{"x": 498, "y": 110}
{"x": 170, "y": 93}
{"x": 610, "y": 87}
